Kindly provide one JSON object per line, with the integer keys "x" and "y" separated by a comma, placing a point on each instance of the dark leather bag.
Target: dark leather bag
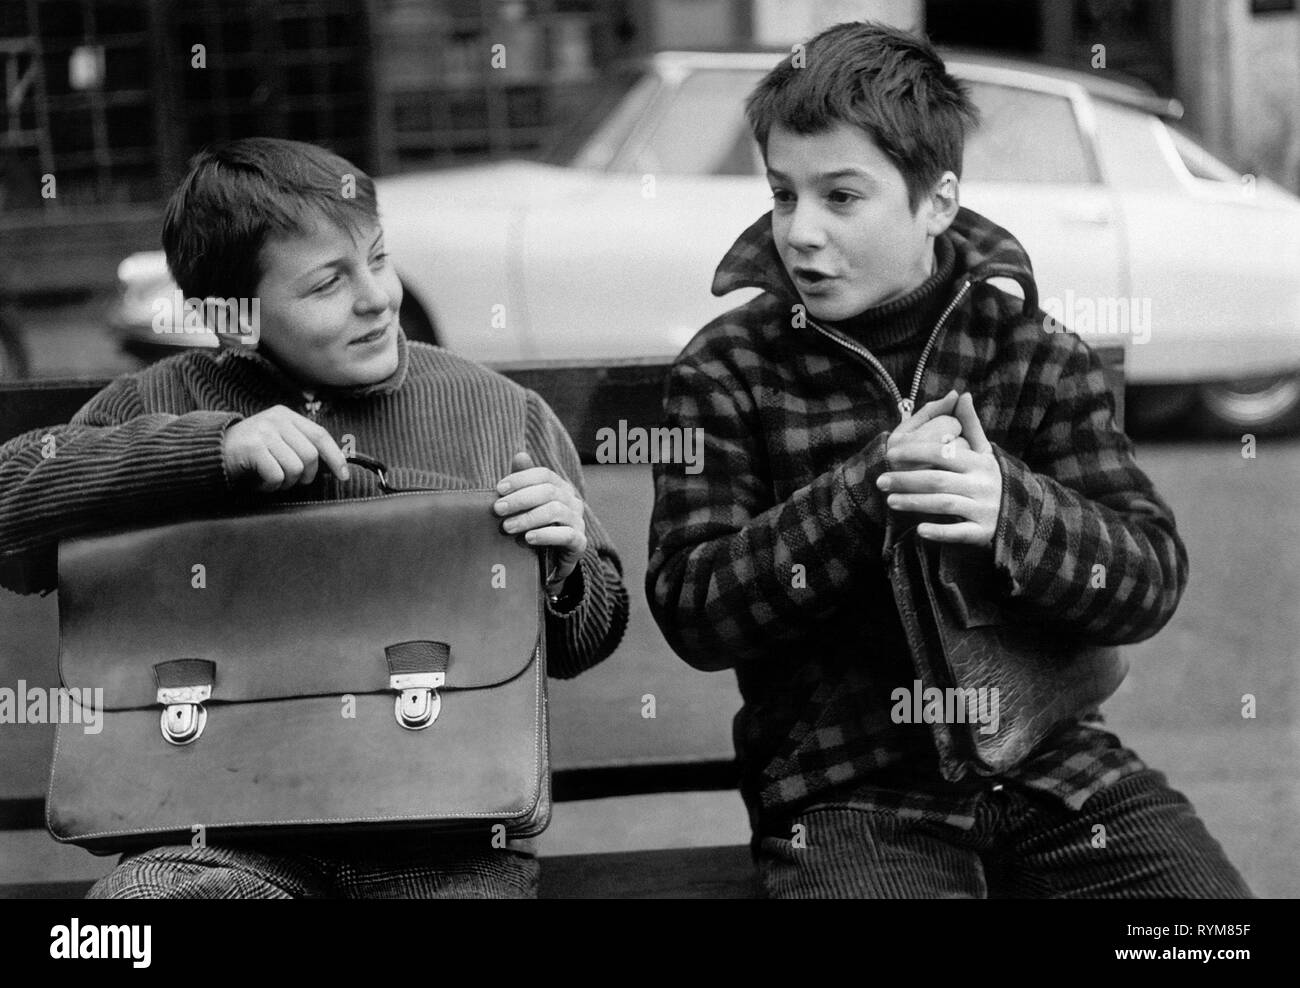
{"x": 349, "y": 666}
{"x": 961, "y": 637}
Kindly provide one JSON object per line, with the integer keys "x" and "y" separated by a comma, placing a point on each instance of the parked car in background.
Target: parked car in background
{"x": 1137, "y": 235}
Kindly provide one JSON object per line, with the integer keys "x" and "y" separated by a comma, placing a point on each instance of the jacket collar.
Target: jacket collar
{"x": 983, "y": 251}
{"x": 273, "y": 377}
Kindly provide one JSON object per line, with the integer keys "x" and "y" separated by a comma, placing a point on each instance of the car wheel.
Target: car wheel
{"x": 1268, "y": 405}
{"x": 415, "y": 321}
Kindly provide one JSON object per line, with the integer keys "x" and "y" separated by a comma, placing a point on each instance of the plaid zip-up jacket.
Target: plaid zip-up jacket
{"x": 769, "y": 559}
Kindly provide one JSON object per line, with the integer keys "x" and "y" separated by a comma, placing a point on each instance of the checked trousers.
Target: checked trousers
{"x": 381, "y": 869}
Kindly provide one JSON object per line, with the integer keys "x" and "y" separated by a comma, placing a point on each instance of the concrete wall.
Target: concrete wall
{"x": 784, "y": 22}
{"x": 1239, "y": 76}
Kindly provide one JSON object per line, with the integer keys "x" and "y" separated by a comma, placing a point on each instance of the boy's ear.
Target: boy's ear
{"x": 942, "y": 204}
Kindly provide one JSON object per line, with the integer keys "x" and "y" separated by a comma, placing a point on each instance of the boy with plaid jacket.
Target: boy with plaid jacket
{"x": 877, "y": 295}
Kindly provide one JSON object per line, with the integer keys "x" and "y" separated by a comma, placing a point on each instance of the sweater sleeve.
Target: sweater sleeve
{"x": 114, "y": 463}
{"x": 732, "y": 575}
{"x": 1083, "y": 539}
{"x": 589, "y": 630}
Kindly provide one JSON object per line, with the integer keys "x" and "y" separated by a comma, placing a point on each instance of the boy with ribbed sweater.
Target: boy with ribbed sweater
{"x": 296, "y": 228}
{"x": 876, "y": 298}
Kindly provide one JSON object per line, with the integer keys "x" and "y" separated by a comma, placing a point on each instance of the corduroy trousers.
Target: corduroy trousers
{"x": 1137, "y": 838}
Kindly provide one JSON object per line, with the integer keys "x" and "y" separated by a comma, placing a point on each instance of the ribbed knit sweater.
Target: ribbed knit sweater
{"x": 148, "y": 448}
{"x": 896, "y": 331}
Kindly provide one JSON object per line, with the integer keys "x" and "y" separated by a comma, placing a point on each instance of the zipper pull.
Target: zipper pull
{"x": 905, "y": 407}
{"x": 311, "y": 405}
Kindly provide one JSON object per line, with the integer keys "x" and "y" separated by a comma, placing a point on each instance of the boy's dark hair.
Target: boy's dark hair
{"x": 888, "y": 82}
{"x": 238, "y": 193}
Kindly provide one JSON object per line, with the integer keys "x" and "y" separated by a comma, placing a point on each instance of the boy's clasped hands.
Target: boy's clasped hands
{"x": 941, "y": 463}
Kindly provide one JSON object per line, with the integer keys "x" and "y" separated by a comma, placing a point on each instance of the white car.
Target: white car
{"x": 1137, "y": 234}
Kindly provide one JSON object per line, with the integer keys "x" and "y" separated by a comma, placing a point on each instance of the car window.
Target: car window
{"x": 1200, "y": 162}
{"x": 1128, "y": 141}
{"x": 1024, "y": 136}
{"x": 606, "y": 128}
{"x": 701, "y": 130}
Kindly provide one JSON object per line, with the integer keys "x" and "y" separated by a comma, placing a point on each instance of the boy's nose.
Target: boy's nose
{"x": 372, "y": 296}
{"x": 805, "y": 232}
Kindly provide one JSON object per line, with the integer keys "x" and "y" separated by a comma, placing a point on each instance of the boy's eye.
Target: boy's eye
{"x": 327, "y": 284}
{"x": 842, "y": 197}
{"x": 782, "y": 195}
{"x": 379, "y": 259}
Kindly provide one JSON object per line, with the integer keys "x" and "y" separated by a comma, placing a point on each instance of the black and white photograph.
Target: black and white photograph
{"x": 650, "y": 449}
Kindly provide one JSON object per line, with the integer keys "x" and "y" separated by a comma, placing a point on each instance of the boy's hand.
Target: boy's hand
{"x": 932, "y": 422}
{"x": 940, "y": 478}
{"x": 278, "y": 448}
{"x": 544, "y": 507}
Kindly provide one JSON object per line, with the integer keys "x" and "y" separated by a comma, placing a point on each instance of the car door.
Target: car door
{"x": 1216, "y": 252}
{"x": 1030, "y": 167}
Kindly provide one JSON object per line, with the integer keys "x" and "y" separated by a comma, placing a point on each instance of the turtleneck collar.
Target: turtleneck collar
{"x": 279, "y": 381}
{"x": 900, "y": 320}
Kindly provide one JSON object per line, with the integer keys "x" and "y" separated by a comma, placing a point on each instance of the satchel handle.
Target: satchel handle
{"x": 375, "y": 467}
{"x": 380, "y": 469}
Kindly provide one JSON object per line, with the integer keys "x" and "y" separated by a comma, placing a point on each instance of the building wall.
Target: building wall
{"x": 1238, "y": 73}
{"x": 694, "y": 23}
{"x": 784, "y": 22}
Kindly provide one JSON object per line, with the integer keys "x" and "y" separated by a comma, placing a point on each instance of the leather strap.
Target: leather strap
{"x": 375, "y": 467}
{"x": 380, "y": 470}
{"x": 418, "y": 656}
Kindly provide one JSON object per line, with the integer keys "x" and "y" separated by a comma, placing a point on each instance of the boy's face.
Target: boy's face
{"x": 841, "y": 220}
{"x": 329, "y": 305}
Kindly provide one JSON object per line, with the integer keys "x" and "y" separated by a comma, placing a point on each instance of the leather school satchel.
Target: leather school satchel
{"x": 323, "y": 667}
{"x": 961, "y": 638}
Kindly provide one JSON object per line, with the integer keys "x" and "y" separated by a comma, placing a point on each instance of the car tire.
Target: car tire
{"x": 416, "y": 323}
{"x": 1262, "y": 405}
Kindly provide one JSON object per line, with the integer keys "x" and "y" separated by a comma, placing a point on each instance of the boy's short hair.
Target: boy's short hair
{"x": 889, "y": 82}
{"x": 238, "y": 193}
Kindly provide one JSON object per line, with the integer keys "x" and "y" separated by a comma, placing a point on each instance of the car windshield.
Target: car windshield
{"x": 692, "y": 125}
{"x": 597, "y": 126}
{"x": 702, "y": 129}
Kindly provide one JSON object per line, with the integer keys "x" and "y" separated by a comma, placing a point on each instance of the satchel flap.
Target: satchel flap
{"x": 1032, "y": 676}
{"x": 301, "y": 599}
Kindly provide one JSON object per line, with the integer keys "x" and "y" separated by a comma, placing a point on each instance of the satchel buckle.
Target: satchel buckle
{"x": 418, "y": 703}
{"x": 183, "y": 716}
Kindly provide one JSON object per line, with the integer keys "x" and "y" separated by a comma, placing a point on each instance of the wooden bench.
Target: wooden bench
{"x": 604, "y": 749}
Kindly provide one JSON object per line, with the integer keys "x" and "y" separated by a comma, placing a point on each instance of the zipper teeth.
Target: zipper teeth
{"x": 934, "y": 338}
{"x": 867, "y": 355}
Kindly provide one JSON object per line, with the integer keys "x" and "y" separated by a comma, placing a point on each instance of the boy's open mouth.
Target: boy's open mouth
{"x": 807, "y": 277}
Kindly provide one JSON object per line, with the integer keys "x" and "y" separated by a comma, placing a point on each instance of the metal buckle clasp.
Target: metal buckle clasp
{"x": 418, "y": 703}
{"x": 183, "y": 716}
